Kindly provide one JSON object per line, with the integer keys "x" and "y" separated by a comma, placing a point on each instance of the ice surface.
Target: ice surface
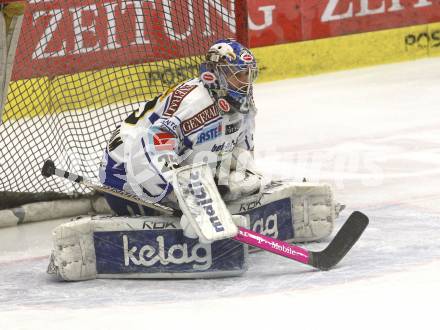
{"x": 374, "y": 135}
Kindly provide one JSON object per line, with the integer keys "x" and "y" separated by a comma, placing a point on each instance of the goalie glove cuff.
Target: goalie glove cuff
{"x": 241, "y": 184}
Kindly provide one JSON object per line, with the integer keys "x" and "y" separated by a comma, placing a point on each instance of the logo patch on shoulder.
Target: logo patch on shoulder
{"x": 224, "y": 105}
{"x": 177, "y": 97}
{"x": 208, "y": 77}
{"x": 162, "y": 141}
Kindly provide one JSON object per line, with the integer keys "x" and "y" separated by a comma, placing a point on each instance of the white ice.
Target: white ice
{"x": 374, "y": 135}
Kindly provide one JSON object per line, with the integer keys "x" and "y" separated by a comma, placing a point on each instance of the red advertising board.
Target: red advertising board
{"x": 274, "y": 21}
{"x": 66, "y": 36}
{"x": 281, "y": 21}
{"x": 328, "y": 18}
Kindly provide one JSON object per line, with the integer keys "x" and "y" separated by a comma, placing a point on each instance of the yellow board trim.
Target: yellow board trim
{"x": 347, "y": 52}
{"x": 90, "y": 90}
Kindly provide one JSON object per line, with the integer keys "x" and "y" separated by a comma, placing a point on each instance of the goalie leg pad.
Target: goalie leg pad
{"x": 142, "y": 247}
{"x": 290, "y": 211}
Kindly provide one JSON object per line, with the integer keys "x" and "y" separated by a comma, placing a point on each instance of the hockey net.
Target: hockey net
{"x": 81, "y": 66}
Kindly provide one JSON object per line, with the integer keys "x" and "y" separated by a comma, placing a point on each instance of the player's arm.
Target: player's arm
{"x": 243, "y": 179}
{"x": 154, "y": 153}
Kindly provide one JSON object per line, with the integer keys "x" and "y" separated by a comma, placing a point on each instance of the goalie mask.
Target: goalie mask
{"x": 229, "y": 71}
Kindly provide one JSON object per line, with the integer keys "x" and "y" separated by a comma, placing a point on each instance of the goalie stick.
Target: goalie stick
{"x": 49, "y": 169}
{"x": 344, "y": 240}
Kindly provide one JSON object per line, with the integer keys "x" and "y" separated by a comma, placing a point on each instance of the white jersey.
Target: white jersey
{"x": 184, "y": 125}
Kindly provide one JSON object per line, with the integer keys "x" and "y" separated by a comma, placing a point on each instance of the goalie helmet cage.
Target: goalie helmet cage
{"x": 81, "y": 66}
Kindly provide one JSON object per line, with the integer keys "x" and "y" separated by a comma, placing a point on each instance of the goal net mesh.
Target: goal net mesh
{"x": 81, "y": 66}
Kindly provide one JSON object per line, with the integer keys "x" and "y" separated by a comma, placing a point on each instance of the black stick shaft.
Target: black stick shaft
{"x": 49, "y": 169}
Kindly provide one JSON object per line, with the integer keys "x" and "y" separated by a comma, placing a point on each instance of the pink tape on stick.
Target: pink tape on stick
{"x": 344, "y": 240}
{"x": 272, "y": 245}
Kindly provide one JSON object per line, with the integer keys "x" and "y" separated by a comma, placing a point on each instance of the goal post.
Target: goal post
{"x": 81, "y": 66}
{"x": 11, "y": 18}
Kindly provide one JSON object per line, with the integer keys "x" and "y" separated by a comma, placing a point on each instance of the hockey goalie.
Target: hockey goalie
{"x": 191, "y": 149}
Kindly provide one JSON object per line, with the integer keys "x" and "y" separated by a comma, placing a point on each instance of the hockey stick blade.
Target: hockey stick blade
{"x": 344, "y": 240}
{"x": 323, "y": 260}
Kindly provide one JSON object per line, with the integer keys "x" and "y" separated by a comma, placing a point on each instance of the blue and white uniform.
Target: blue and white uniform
{"x": 184, "y": 125}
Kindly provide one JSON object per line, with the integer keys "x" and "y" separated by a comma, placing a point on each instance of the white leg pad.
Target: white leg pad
{"x": 73, "y": 256}
{"x": 290, "y": 211}
{"x": 140, "y": 247}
